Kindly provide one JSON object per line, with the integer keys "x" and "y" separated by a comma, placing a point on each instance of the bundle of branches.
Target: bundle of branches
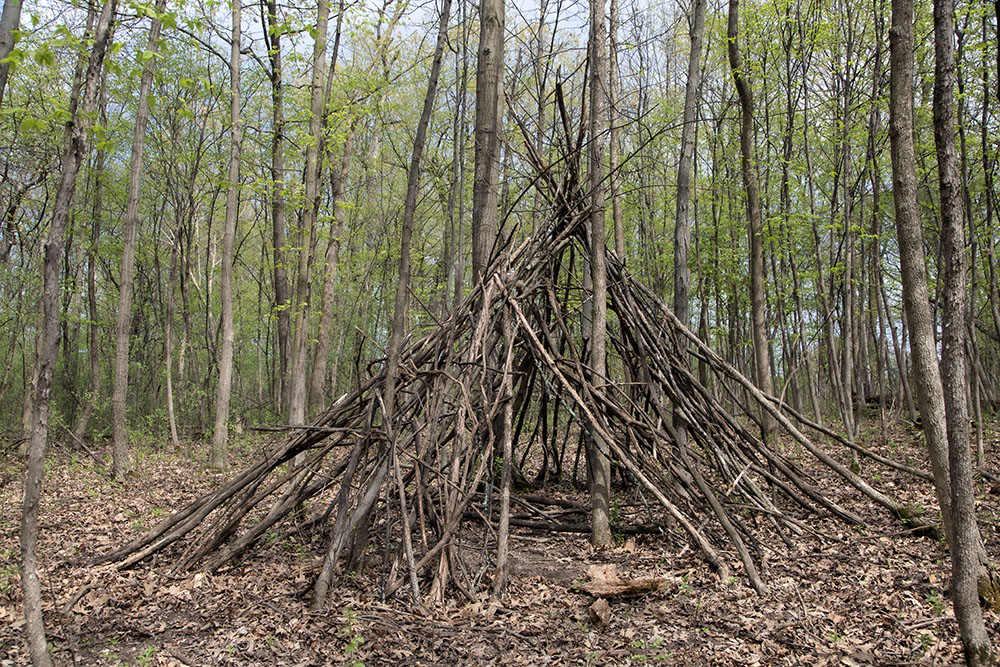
{"x": 436, "y": 474}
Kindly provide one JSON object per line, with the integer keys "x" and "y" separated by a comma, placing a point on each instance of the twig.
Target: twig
{"x": 85, "y": 448}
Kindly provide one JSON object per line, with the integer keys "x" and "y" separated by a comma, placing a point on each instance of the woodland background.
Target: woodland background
{"x": 819, "y": 71}
{"x": 233, "y": 215}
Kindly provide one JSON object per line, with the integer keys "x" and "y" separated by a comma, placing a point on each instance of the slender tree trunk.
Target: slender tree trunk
{"x": 489, "y": 115}
{"x": 614, "y": 147}
{"x": 338, "y": 181}
{"x": 409, "y": 212}
{"x": 119, "y": 387}
{"x": 80, "y": 430}
{"x": 282, "y": 301}
{"x": 168, "y": 336}
{"x": 298, "y": 398}
{"x": 682, "y": 226}
{"x": 990, "y": 203}
{"x": 220, "y": 434}
{"x": 762, "y": 357}
{"x": 911, "y": 251}
{"x": 331, "y": 257}
{"x": 82, "y": 106}
{"x": 965, "y": 539}
{"x": 9, "y": 22}
{"x": 597, "y": 457}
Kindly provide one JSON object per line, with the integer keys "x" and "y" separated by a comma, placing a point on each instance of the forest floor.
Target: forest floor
{"x": 838, "y": 596}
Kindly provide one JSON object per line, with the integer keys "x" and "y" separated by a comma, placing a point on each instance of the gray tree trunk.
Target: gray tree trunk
{"x": 332, "y": 260}
{"x": 489, "y": 115}
{"x": 82, "y": 106}
{"x": 930, "y": 394}
{"x": 281, "y": 296}
{"x": 220, "y": 434}
{"x": 9, "y": 22}
{"x": 682, "y": 225}
{"x": 119, "y": 387}
{"x": 409, "y": 212}
{"x": 80, "y": 430}
{"x": 614, "y": 148}
{"x": 965, "y": 538}
{"x": 598, "y": 462}
{"x": 758, "y": 326}
{"x": 298, "y": 398}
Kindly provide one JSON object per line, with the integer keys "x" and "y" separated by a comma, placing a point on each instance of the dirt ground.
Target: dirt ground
{"x": 838, "y": 596}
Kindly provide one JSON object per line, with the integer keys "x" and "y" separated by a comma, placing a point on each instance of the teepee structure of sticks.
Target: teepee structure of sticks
{"x": 489, "y": 384}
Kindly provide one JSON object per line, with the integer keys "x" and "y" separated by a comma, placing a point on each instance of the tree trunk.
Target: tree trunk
{"x": 489, "y": 115}
{"x": 614, "y": 148}
{"x": 911, "y": 251}
{"x": 9, "y": 22}
{"x": 80, "y": 430}
{"x": 168, "y": 336}
{"x": 597, "y": 458}
{"x": 965, "y": 539}
{"x": 332, "y": 259}
{"x": 762, "y": 356}
{"x": 220, "y": 434}
{"x": 119, "y": 441}
{"x": 682, "y": 226}
{"x": 409, "y": 212}
{"x": 82, "y": 106}
{"x": 298, "y": 398}
{"x": 282, "y": 303}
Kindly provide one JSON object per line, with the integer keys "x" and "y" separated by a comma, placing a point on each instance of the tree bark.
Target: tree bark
{"x": 965, "y": 538}
{"x": 338, "y": 181}
{"x": 80, "y": 430}
{"x": 682, "y": 225}
{"x": 119, "y": 387}
{"x": 489, "y": 115}
{"x": 9, "y": 22}
{"x": 409, "y": 212}
{"x": 298, "y": 398}
{"x": 758, "y": 326}
{"x": 220, "y": 434}
{"x": 614, "y": 147}
{"x": 82, "y": 105}
{"x": 930, "y": 394}
{"x": 597, "y": 451}
{"x": 282, "y": 303}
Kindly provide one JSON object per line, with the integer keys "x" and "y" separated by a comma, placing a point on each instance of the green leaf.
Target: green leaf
{"x": 168, "y": 20}
{"x": 44, "y": 56}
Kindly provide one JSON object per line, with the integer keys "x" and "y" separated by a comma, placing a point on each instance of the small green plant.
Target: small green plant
{"x": 651, "y": 649}
{"x": 353, "y": 638}
{"x": 10, "y": 572}
{"x": 685, "y": 587}
{"x": 146, "y": 657}
{"x": 835, "y": 637}
{"x": 936, "y": 601}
